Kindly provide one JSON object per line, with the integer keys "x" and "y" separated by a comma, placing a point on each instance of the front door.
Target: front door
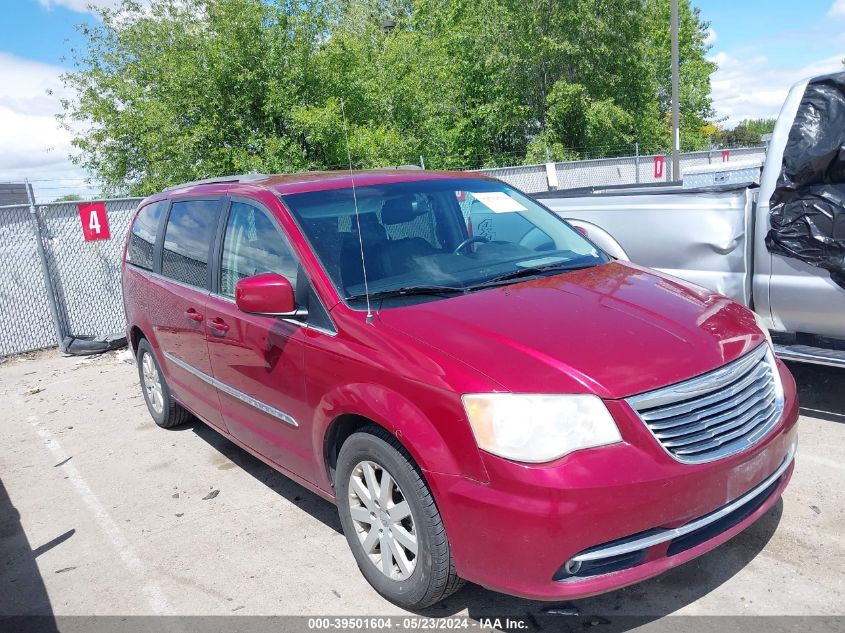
{"x": 179, "y": 313}
{"x": 258, "y": 361}
{"x": 804, "y": 298}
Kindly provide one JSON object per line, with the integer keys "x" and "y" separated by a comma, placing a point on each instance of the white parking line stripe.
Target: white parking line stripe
{"x": 154, "y": 594}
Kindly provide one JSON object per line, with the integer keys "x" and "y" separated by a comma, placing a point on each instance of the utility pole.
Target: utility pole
{"x": 676, "y": 118}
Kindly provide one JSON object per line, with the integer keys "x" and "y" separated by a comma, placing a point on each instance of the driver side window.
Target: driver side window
{"x": 252, "y": 245}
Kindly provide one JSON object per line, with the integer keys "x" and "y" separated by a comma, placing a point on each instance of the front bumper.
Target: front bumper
{"x": 618, "y": 514}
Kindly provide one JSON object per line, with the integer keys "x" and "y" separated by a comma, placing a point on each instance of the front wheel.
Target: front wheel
{"x": 391, "y": 521}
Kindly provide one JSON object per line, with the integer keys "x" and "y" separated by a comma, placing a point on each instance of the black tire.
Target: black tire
{"x": 433, "y": 577}
{"x": 171, "y": 413}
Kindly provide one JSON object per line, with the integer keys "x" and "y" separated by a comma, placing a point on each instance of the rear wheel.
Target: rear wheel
{"x": 391, "y": 521}
{"x": 166, "y": 412}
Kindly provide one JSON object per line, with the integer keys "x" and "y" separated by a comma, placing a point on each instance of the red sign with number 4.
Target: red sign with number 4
{"x": 95, "y": 222}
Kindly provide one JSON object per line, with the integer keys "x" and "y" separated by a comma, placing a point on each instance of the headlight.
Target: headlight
{"x": 761, "y": 323}
{"x": 538, "y": 428}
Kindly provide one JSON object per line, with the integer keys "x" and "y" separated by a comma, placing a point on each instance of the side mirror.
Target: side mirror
{"x": 269, "y": 294}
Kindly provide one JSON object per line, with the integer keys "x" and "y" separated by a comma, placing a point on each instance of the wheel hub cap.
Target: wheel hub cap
{"x": 383, "y": 521}
{"x": 152, "y": 383}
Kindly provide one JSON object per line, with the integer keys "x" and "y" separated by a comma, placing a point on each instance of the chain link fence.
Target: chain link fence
{"x": 83, "y": 277}
{"x": 628, "y": 170}
{"x": 24, "y": 304}
{"x": 86, "y": 274}
{"x": 528, "y": 178}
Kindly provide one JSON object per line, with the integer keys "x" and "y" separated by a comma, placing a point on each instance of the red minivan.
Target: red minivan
{"x": 482, "y": 392}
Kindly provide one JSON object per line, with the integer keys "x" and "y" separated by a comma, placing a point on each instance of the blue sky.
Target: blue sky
{"x": 761, "y": 46}
{"x": 787, "y": 32}
{"x": 764, "y": 46}
{"x": 39, "y": 31}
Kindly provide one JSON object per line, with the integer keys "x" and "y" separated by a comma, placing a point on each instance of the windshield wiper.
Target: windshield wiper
{"x": 531, "y": 271}
{"x": 522, "y": 273}
{"x": 408, "y": 291}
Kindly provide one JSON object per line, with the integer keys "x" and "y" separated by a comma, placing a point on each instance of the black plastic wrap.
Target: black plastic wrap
{"x": 89, "y": 345}
{"x": 808, "y": 205}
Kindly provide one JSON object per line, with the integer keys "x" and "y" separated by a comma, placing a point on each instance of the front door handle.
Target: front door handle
{"x": 193, "y": 315}
{"x": 218, "y": 325}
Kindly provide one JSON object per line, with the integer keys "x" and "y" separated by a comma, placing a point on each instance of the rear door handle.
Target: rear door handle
{"x": 219, "y": 325}
{"x": 193, "y": 315}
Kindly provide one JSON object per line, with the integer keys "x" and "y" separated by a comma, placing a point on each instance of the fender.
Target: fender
{"x": 132, "y": 283}
{"x": 445, "y": 448}
{"x": 600, "y": 238}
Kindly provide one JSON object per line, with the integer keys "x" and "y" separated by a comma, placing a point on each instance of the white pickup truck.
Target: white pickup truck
{"x": 779, "y": 248}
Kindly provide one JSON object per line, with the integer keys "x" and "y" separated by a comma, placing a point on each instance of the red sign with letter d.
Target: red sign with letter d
{"x": 659, "y": 164}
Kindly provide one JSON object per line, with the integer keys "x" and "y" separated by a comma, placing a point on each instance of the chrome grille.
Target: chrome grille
{"x": 717, "y": 414}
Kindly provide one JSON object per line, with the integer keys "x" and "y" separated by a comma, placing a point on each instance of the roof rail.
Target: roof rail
{"x": 220, "y": 179}
{"x": 401, "y": 167}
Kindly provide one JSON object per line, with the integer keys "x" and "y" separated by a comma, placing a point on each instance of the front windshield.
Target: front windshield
{"x": 435, "y": 236}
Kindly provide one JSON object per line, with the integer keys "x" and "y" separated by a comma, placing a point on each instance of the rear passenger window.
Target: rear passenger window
{"x": 253, "y": 245}
{"x": 187, "y": 240}
{"x": 143, "y": 235}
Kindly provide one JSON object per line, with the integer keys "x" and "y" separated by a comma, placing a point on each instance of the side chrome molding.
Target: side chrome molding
{"x": 240, "y": 395}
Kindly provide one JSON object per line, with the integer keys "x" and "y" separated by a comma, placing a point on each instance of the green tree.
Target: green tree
{"x": 696, "y": 104}
{"x": 191, "y": 88}
{"x": 747, "y": 133}
{"x": 172, "y": 90}
{"x": 580, "y": 126}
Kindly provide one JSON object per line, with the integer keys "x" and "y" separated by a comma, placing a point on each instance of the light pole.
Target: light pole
{"x": 676, "y": 131}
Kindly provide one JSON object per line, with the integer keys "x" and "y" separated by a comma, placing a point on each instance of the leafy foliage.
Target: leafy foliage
{"x": 747, "y": 133}
{"x": 696, "y": 106}
{"x": 171, "y": 90}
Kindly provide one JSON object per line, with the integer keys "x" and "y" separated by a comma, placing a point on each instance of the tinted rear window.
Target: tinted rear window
{"x": 187, "y": 241}
{"x": 143, "y": 235}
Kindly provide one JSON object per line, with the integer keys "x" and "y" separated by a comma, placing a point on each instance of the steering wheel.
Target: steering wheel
{"x": 475, "y": 239}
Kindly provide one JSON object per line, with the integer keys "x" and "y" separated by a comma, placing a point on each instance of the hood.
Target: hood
{"x": 614, "y": 330}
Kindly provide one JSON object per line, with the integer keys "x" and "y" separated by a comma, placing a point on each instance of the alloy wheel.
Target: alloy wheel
{"x": 383, "y": 520}
{"x": 152, "y": 383}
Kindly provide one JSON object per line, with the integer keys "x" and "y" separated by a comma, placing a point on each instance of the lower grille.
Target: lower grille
{"x": 704, "y": 534}
{"x": 717, "y": 414}
{"x": 630, "y": 551}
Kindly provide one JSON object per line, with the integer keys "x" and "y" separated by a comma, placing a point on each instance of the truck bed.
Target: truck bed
{"x": 701, "y": 235}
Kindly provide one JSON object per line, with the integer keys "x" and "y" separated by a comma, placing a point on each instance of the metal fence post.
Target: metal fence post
{"x": 637, "y": 162}
{"x": 45, "y": 269}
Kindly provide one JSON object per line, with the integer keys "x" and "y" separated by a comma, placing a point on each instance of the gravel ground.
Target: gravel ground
{"x": 103, "y": 513}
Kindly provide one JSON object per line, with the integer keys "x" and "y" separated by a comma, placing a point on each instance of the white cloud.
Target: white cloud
{"x": 753, "y": 88}
{"x": 80, "y": 6}
{"x": 838, "y": 9}
{"x": 711, "y": 37}
{"x": 32, "y": 144}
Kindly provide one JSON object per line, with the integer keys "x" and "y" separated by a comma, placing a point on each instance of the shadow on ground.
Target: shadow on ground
{"x": 22, "y": 590}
